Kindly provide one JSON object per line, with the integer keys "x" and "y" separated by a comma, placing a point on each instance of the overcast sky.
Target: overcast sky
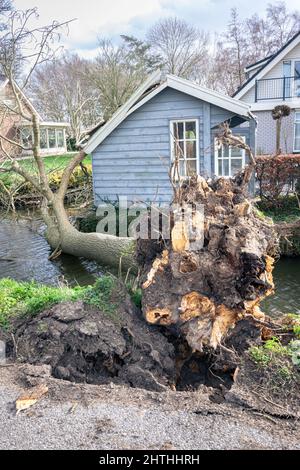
{"x": 111, "y": 18}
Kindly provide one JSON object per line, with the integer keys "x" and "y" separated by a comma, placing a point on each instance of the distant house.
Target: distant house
{"x": 132, "y": 152}
{"x": 271, "y": 82}
{"x": 53, "y": 134}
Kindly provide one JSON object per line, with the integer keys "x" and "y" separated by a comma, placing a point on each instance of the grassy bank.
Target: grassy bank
{"x": 26, "y": 299}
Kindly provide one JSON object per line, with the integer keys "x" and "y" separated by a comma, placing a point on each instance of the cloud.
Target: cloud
{"x": 110, "y": 18}
{"x": 95, "y": 18}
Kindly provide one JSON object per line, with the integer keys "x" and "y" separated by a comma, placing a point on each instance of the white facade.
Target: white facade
{"x": 273, "y": 82}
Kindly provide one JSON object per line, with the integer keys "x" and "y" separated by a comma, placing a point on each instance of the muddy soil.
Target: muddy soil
{"x": 83, "y": 344}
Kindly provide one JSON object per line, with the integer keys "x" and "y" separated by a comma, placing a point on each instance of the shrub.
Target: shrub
{"x": 276, "y": 176}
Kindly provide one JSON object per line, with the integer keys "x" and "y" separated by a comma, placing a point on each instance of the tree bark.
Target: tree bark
{"x": 116, "y": 252}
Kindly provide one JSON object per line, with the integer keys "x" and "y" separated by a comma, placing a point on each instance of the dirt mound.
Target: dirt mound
{"x": 83, "y": 344}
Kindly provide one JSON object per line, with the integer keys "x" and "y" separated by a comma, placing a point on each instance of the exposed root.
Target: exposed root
{"x": 204, "y": 289}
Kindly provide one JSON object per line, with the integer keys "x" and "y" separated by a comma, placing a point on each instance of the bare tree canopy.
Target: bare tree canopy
{"x": 24, "y": 46}
{"x": 248, "y": 40}
{"x": 62, "y": 90}
{"x": 5, "y": 7}
{"x": 104, "y": 84}
{"x": 182, "y": 47}
{"x": 117, "y": 73}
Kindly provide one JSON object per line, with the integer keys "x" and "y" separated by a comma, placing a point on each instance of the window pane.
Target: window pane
{"x": 26, "y": 137}
{"x": 191, "y": 167}
{"x": 287, "y": 67}
{"x": 52, "y": 138}
{"x": 220, "y": 153}
{"x": 220, "y": 168}
{"x": 226, "y": 151}
{"x": 60, "y": 137}
{"x": 236, "y": 152}
{"x": 178, "y": 130}
{"x": 182, "y": 171}
{"x": 43, "y": 139}
{"x": 236, "y": 166}
{"x": 190, "y": 130}
{"x": 179, "y": 149}
{"x": 191, "y": 150}
{"x": 226, "y": 167}
{"x": 297, "y": 137}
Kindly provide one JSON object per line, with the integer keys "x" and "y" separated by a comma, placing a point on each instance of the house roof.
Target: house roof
{"x": 4, "y": 81}
{"x": 272, "y": 60}
{"x": 259, "y": 62}
{"x": 153, "y": 86}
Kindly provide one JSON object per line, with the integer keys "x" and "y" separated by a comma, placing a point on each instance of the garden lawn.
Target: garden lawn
{"x": 52, "y": 163}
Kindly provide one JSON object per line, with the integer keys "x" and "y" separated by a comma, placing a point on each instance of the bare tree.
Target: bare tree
{"x": 61, "y": 234}
{"x": 182, "y": 47}
{"x": 282, "y": 24}
{"x": 249, "y": 40}
{"x": 116, "y": 74}
{"x": 62, "y": 90}
{"x": 5, "y": 7}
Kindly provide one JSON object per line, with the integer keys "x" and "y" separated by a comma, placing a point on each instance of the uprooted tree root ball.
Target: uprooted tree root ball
{"x": 201, "y": 309}
{"x": 204, "y": 293}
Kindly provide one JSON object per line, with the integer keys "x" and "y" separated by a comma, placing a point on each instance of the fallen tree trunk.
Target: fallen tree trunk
{"x": 203, "y": 293}
{"x": 115, "y": 252}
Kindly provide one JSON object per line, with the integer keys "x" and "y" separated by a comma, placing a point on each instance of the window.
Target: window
{"x": 297, "y": 78}
{"x": 27, "y": 137}
{"x": 184, "y": 145}
{"x": 287, "y": 72}
{"x": 297, "y": 132}
{"x": 44, "y": 139}
{"x": 60, "y": 138}
{"x": 228, "y": 160}
{"x": 52, "y": 138}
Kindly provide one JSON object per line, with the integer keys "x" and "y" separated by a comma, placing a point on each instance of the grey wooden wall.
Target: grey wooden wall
{"x": 134, "y": 159}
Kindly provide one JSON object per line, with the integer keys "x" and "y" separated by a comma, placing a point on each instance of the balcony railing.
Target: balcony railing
{"x": 277, "y": 88}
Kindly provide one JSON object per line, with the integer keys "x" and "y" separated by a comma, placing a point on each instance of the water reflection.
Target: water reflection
{"x": 24, "y": 256}
{"x": 287, "y": 282}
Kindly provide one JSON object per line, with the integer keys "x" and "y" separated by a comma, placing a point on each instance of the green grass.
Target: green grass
{"x": 25, "y": 299}
{"x": 52, "y": 163}
{"x": 273, "y": 352}
{"x": 100, "y": 295}
{"x": 20, "y": 299}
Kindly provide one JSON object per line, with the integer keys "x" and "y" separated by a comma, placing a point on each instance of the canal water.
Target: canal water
{"x": 24, "y": 256}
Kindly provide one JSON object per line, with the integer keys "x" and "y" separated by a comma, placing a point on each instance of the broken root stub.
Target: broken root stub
{"x": 202, "y": 293}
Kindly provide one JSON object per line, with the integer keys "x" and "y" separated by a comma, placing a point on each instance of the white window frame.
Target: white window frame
{"x": 46, "y": 129}
{"x": 172, "y": 138}
{"x": 293, "y": 81}
{"x": 229, "y": 158}
{"x": 296, "y": 121}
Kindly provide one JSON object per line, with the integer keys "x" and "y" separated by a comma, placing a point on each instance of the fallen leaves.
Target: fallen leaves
{"x": 30, "y": 397}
